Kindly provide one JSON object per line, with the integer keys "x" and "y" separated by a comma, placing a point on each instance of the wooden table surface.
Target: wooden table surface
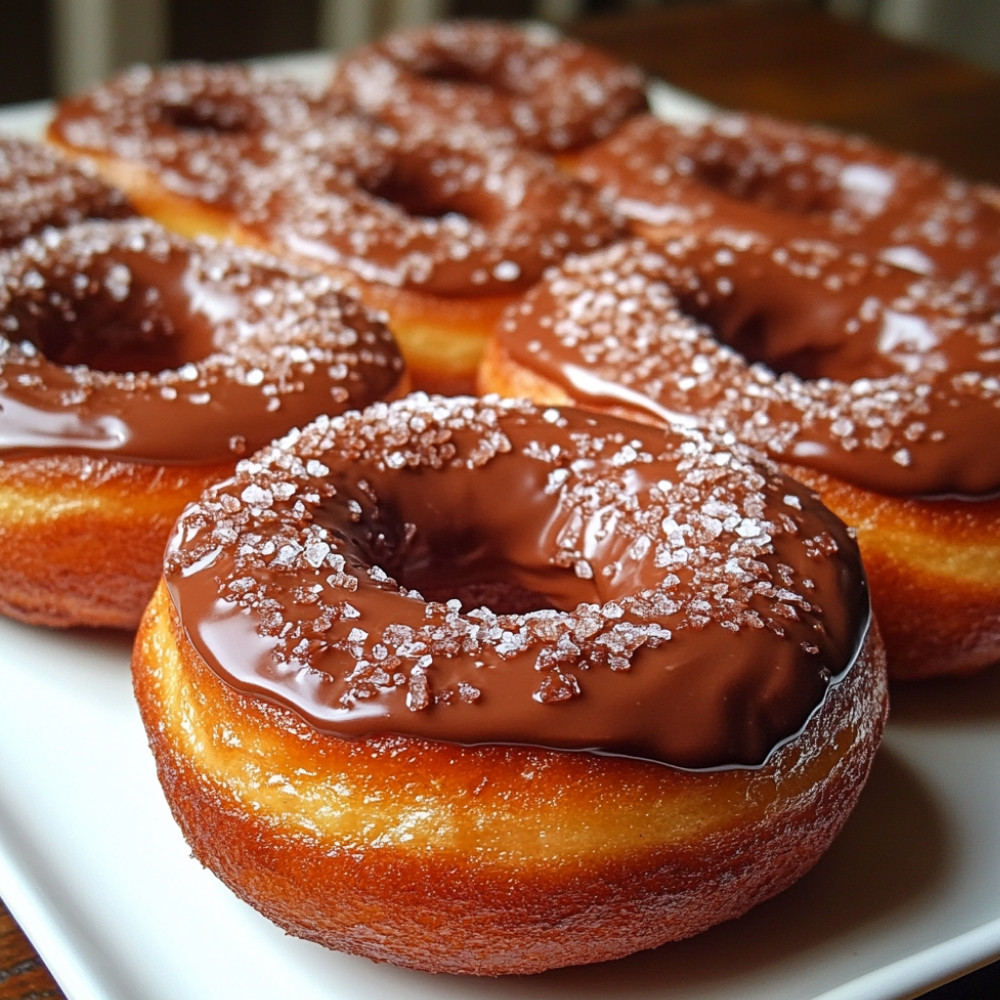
{"x": 791, "y": 60}
{"x": 784, "y": 59}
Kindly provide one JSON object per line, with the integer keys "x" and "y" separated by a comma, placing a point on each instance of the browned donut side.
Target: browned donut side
{"x": 489, "y": 860}
{"x": 933, "y": 568}
{"x": 136, "y": 367}
{"x": 84, "y": 537}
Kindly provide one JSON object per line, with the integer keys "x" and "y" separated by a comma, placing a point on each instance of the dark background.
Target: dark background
{"x": 239, "y": 29}
{"x": 197, "y": 29}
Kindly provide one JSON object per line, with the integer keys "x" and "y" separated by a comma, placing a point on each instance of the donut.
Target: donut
{"x": 177, "y": 138}
{"x": 136, "y": 367}
{"x": 39, "y": 188}
{"x": 441, "y": 233}
{"x": 754, "y": 171}
{"x": 875, "y": 386}
{"x": 402, "y": 719}
{"x": 536, "y": 89}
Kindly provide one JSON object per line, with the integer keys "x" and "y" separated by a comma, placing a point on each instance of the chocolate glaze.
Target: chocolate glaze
{"x": 785, "y": 179}
{"x": 821, "y": 357}
{"x": 38, "y": 188}
{"x": 122, "y": 340}
{"x": 657, "y": 593}
{"x": 195, "y": 127}
{"x": 451, "y": 213}
{"x": 534, "y": 89}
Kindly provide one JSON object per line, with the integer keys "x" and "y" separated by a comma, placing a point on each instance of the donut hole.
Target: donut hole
{"x": 795, "y": 190}
{"x": 414, "y": 186}
{"x": 458, "y": 545}
{"x": 755, "y": 339}
{"x": 443, "y": 563}
{"x": 802, "y": 309}
{"x": 114, "y": 319}
{"x": 418, "y": 199}
{"x": 452, "y": 71}
{"x": 460, "y": 567}
{"x": 208, "y": 115}
{"x": 760, "y": 335}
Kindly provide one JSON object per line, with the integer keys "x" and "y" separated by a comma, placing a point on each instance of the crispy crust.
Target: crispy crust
{"x": 488, "y": 860}
{"x": 934, "y": 571}
{"x": 933, "y": 565}
{"x": 83, "y": 537}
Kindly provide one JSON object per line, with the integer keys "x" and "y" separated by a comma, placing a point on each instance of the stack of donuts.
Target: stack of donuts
{"x": 584, "y": 645}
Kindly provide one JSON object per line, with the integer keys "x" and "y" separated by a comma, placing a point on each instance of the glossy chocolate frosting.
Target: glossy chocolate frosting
{"x": 195, "y": 127}
{"x": 119, "y": 339}
{"x": 821, "y": 357}
{"x": 534, "y": 89}
{"x": 452, "y": 214}
{"x": 38, "y": 188}
{"x": 786, "y": 178}
{"x": 484, "y": 571}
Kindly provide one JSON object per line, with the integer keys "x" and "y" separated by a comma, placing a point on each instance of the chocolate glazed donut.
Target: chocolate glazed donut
{"x": 872, "y": 384}
{"x": 135, "y": 368}
{"x": 179, "y": 138}
{"x": 787, "y": 180}
{"x": 532, "y": 89}
{"x": 439, "y": 231}
{"x": 635, "y": 697}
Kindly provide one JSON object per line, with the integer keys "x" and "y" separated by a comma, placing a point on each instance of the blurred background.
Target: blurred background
{"x": 52, "y": 47}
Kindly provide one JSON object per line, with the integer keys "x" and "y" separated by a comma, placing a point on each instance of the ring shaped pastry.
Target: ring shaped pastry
{"x": 535, "y": 89}
{"x": 38, "y": 188}
{"x": 634, "y": 698}
{"x": 439, "y": 232}
{"x": 135, "y": 367}
{"x": 790, "y": 180}
{"x": 178, "y": 138}
{"x": 872, "y": 384}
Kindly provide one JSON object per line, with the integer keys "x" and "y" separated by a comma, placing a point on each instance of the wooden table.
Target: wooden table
{"x": 789, "y": 60}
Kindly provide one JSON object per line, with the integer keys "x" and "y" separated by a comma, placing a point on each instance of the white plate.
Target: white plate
{"x": 96, "y": 872}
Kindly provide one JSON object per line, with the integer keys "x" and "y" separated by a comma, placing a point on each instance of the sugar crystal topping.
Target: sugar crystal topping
{"x": 750, "y": 170}
{"x": 528, "y": 87}
{"x": 185, "y": 347}
{"x": 880, "y": 385}
{"x": 38, "y": 188}
{"x": 347, "y": 564}
{"x": 449, "y": 214}
{"x": 198, "y": 127}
